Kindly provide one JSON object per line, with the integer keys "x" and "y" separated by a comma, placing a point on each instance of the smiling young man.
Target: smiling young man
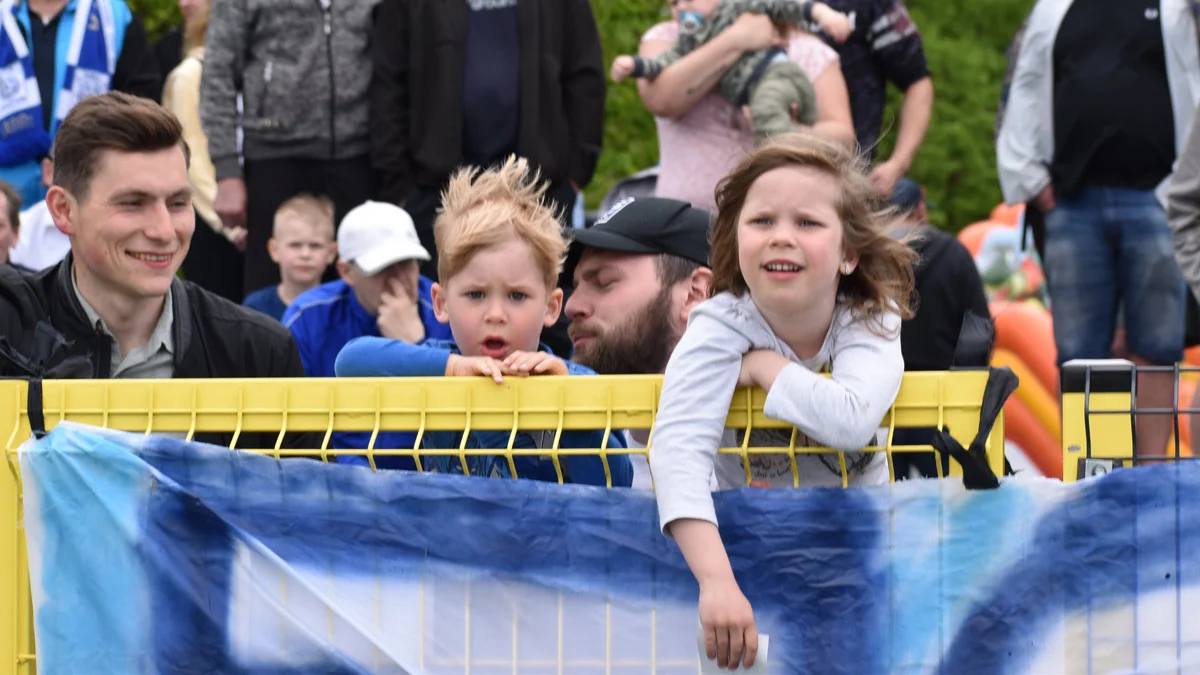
{"x": 121, "y": 195}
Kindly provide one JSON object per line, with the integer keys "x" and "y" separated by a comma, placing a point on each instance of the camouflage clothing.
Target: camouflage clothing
{"x": 766, "y": 80}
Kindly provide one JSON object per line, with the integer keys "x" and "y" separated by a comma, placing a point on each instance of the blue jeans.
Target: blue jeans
{"x": 1107, "y": 247}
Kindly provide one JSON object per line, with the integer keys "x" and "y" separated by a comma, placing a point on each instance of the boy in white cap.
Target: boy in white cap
{"x": 381, "y": 293}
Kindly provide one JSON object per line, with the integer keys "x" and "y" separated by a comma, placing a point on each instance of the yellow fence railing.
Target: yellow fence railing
{"x": 323, "y": 406}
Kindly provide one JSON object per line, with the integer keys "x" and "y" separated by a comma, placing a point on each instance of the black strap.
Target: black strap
{"x": 770, "y": 56}
{"x": 977, "y": 473}
{"x": 37, "y": 418}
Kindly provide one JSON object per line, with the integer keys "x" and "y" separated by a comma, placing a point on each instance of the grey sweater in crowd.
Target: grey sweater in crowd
{"x": 842, "y": 412}
{"x": 302, "y": 71}
{"x": 1183, "y": 208}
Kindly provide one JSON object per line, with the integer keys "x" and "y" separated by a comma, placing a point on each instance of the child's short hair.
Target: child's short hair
{"x": 316, "y": 211}
{"x": 883, "y": 277}
{"x": 482, "y": 208}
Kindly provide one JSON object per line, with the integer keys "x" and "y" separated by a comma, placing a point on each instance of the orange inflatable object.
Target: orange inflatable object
{"x": 1191, "y": 356}
{"x": 1034, "y": 277}
{"x": 1026, "y": 330}
{"x": 1009, "y": 214}
{"x": 1041, "y": 404}
{"x": 972, "y": 236}
{"x": 1187, "y": 395}
{"x": 1022, "y": 428}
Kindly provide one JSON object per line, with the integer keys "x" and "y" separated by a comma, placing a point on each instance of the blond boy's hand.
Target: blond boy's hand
{"x": 622, "y": 68}
{"x": 534, "y": 363}
{"x": 399, "y": 317}
{"x": 474, "y": 366}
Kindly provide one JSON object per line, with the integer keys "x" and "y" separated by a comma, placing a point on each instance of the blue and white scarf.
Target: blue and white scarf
{"x": 91, "y": 61}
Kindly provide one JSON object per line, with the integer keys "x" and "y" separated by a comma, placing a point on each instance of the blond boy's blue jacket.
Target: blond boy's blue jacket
{"x": 381, "y": 357}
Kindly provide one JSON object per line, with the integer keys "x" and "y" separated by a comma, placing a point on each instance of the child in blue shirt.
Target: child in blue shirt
{"x": 302, "y": 245}
{"x": 500, "y": 255}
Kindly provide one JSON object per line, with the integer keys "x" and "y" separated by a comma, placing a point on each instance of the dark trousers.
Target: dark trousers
{"x": 423, "y": 204}
{"x": 214, "y": 263}
{"x": 925, "y": 463}
{"x": 269, "y": 183}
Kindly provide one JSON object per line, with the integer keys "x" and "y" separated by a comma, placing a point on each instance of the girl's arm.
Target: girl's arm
{"x": 842, "y": 411}
{"x": 383, "y": 357}
{"x": 679, "y": 88}
{"x": 697, "y": 390}
{"x": 725, "y": 614}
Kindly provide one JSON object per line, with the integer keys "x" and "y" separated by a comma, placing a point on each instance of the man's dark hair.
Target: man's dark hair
{"x": 14, "y": 205}
{"x": 111, "y": 121}
{"x": 673, "y": 269}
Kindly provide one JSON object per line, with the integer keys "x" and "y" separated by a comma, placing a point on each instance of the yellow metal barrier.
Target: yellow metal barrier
{"x": 189, "y": 407}
{"x": 1098, "y": 423}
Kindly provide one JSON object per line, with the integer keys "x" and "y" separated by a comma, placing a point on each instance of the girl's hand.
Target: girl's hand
{"x": 760, "y": 367}
{"x": 534, "y": 363}
{"x": 730, "y": 635}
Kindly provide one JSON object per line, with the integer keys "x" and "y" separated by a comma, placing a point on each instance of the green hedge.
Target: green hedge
{"x": 159, "y": 16}
{"x": 964, "y": 42}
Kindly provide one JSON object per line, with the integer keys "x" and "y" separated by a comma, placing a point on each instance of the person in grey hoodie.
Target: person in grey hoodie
{"x": 302, "y": 70}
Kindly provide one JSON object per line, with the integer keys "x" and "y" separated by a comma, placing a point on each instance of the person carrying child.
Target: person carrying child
{"x": 775, "y": 89}
{"x": 302, "y": 245}
{"x": 501, "y": 251}
{"x": 806, "y": 281}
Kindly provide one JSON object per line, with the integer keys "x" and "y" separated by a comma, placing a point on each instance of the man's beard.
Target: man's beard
{"x": 641, "y": 345}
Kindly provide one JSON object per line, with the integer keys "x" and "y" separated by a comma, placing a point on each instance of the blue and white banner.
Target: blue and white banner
{"x": 151, "y": 555}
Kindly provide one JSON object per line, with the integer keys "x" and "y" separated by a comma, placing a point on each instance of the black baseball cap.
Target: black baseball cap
{"x": 649, "y": 225}
{"x": 907, "y": 195}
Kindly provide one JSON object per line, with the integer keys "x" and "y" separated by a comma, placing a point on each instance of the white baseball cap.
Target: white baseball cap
{"x": 375, "y": 235}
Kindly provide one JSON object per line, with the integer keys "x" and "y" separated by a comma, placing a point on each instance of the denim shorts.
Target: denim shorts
{"x": 1110, "y": 247}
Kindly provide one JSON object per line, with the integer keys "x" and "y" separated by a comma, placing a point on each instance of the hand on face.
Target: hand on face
{"x": 399, "y": 313}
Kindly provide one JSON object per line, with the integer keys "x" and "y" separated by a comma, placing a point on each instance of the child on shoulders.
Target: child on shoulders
{"x": 500, "y": 255}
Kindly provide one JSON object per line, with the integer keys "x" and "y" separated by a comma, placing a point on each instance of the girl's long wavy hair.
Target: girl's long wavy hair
{"x": 883, "y": 277}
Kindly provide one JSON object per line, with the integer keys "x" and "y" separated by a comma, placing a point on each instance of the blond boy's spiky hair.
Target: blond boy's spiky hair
{"x": 483, "y": 208}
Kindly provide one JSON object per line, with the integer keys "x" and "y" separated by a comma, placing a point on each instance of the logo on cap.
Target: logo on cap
{"x": 616, "y": 208}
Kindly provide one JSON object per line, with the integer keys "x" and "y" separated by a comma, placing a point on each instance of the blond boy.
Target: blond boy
{"x": 500, "y": 254}
{"x": 303, "y": 247}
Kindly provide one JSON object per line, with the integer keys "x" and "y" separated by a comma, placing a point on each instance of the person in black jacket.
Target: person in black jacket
{"x": 470, "y": 82}
{"x": 114, "y": 308}
{"x": 951, "y": 308}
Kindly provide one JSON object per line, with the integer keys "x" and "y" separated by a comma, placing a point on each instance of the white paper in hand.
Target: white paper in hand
{"x": 710, "y": 667}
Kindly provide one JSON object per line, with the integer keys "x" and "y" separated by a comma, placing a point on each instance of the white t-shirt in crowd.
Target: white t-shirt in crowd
{"x": 39, "y": 243}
